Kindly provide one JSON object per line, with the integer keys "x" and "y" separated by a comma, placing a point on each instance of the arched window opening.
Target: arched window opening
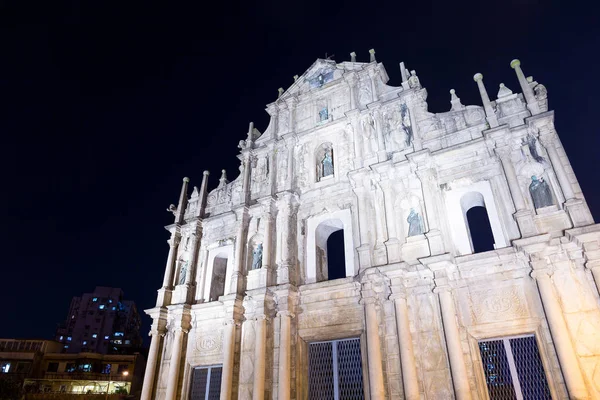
{"x": 480, "y": 229}
{"x": 477, "y": 222}
{"x": 336, "y": 263}
{"x": 217, "y": 287}
{"x": 324, "y": 161}
{"x": 331, "y": 262}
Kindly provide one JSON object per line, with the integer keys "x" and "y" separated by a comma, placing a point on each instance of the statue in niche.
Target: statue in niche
{"x": 369, "y": 134}
{"x": 532, "y": 145}
{"x": 540, "y": 192}
{"x": 323, "y": 114}
{"x": 257, "y": 256}
{"x": 406, "y": 125}
{"x": 393, "y": 130}
{"x": 183, "y": 272}
{"x": 327, "y": 163}
{"x": 415, "y": 223}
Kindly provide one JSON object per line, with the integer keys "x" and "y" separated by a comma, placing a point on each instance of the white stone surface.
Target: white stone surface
{"x": 414, "y": 293}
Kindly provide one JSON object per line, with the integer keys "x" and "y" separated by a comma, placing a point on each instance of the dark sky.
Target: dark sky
{"x": 106, "y": 105}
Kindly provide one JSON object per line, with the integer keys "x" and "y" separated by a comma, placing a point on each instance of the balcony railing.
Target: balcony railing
{"x": 87, "y": 376}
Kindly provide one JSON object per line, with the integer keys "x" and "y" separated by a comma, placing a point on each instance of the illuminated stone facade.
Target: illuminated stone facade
{"x": 246, "y": 288}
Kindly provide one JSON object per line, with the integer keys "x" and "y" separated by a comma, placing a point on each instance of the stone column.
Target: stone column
{"x": 228, "y": 358}
{"x": 460, "y": 379}
{"x": 511, "y": 177}
{"x": 487, "y": 105}
{"x": 237, "y": 275}
{"x": 560, "y": 336}
{"x": 285, "y": 332}
{"x": 373, "y": 77}
{"x": 393, "y": 243}
{"x": 266, "y": 259}
{"x": 523, "y": 216}
{"x": 407, "y": 355}
{"x": 375, "y": 360}
{"x": 260, "y": 355}
{"x": 364, "y": 250}
{"x": 549, "y": 142}
{"x": 532, "y": 103}
{"x": 170, "y": 268}
{"x": 381, "y": 153}
{"x": 173, "y": 377}
{"x": 151, "y": 364}
{"x": 286, "y": 243}
{"x": 594, "y": 267}
{"x": 291, "y": 103}
{"x": 434, "y": 235}
{"x": 290, "y": 165}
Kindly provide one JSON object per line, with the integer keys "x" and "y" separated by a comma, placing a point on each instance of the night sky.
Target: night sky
{"x": 107, "y": 105}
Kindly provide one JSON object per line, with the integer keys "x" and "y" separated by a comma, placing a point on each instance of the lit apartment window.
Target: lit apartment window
{"x": 114, "y": 308}
{"x": 335, "y": 370}
{"x": 513, "y": 368}
{"x": 101, "y": 306}
{"x": 106, "y": 337}
{"x": 95, "y": 299}
{"x": 95, "y": 335}
{"x": 128, "y": 342}
{"x": 68, "y": 338}
{"x": 117, "y": 341}
{"x": 206, "y": 382}
{"x": 66, "y": 346}
{"x": 4, "y": 367}
{"x": 85, "y": 342}
{"x": 61, "y": 338}
{"x": 118, "y": 334}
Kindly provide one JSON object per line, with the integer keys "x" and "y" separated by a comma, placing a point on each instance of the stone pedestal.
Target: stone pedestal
{"x": 579, "y": 213}
{"x": 180, "y": 294}
{"x": 550, "y": 219}
{"x": 258, "y": 278}
{"x": 164, "y": 297}
{"x": 415, "y": 248}
{"x": 393, "y": 250}
{"x": 436, "y": 242}
{"x": 380, "y": 255}
{"x": 364, "y": 256}
{"x": 526, "y": 223}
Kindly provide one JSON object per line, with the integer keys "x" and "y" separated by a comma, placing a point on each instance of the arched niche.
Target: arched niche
{"x": 459, "y": 201}
{"x": 255, "y": 249}
{"x": 319, "y": 229}
{"x": 218, "y": 272}
{"x": 324, "y": 162}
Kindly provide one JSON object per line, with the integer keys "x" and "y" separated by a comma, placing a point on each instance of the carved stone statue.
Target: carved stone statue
{"x": 540, "y": 192}
{"x": 415, "y": 223}
{"x": 531, "y": 143}
{"x": 413, "y": 79}
{"x": 368, "y": 131}
{"x": 257, "y": 256}
{"x": 327, "y": 163}
{"x": 323, "y": 114}
{"x": 406, "y": 124}
{"x": 183, "y": 272}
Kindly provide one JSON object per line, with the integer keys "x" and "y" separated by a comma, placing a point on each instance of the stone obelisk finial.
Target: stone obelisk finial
{"x": 532, "y": 103}
{"x": 487, "y": 105}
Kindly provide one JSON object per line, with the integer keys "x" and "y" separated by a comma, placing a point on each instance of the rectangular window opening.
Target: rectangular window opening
{"x": 206, "y": 383}
{"x": 513, "y": 368}
{"x": 335, "y": 370}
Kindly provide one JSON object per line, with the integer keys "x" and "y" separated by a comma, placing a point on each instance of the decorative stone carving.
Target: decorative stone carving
{"x": 209, "y": 342}
{"x": 257, "y": 255}
{"x": 492, "y": 305}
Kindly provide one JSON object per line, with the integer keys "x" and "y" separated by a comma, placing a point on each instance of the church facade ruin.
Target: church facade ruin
{"x": 372, "y": 249}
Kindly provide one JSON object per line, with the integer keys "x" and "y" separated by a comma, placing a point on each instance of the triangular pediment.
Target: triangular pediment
{"x": 319, "y": 74}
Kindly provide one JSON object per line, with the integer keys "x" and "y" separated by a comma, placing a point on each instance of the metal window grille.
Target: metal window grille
{"x": 335, "y": 370}
{"x": 206, "y": 383}
{"x": 513, "y": 369}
